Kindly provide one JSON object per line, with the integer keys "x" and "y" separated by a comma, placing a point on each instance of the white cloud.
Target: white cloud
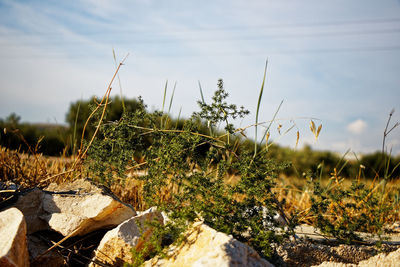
{"x": 357, "y": 126}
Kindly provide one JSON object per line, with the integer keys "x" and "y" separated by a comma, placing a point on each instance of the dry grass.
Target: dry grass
{"x": 129, "y": 191}
{"x": 296, "y": 194}
{"x": 34, "y": 170}
{"x": 38, "y": 170}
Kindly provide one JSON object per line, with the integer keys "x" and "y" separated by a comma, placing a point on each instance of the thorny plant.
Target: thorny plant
{"x": 186, "y": 172}
{"x": 387, "y": 156}
{"x": 343, "y": 212}
{"x": 220, "y": 111}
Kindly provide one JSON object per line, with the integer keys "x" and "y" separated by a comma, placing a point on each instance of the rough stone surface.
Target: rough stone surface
{"x": 31, "y": 205}
{"x": 391, "y": 259}
{"x": 306, "y": 253}
{"x": 382, "y": 260}
{"x": 13, "y": 244}
{"x": 393, "y": 228}
{"x": 312, "y": 233}
{"x": 205, "y": 246}
{"x": 115, "y": 247}
{"x": 37, "y": 247}
{"x": 73, "y": 209}
{"x": 87, "y": 208}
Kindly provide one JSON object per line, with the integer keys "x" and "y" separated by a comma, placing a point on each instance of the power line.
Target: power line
{"x": 331, "y": 23}
{"x": 304, "y": 24}
{"x": 160, "y": 41}
{"x": 337, "y": 50}
{"x": 228, "y": 53}
{"x": 312, "y": 24}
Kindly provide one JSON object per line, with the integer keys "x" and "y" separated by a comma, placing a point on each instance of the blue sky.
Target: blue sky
{"x": 336, "y": 61}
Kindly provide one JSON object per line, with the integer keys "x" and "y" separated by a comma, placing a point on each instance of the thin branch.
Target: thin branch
{"x": 104, "y": 99}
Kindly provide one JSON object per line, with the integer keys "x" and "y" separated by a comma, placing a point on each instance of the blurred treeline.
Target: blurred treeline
{"x": 49, "y": 139}
{"x": 58, "y": 140}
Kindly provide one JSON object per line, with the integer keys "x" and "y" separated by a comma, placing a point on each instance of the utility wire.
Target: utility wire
{"x": 266, "y": 52}
{"x": 69, "y": 44}
{"x": 311, "y": 24}
{"x": 160, "y": 41}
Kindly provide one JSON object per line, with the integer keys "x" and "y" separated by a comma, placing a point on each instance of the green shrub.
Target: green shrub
{"x": 79, "y": 111}
{"x": 342, "y": 212}
{"x": 187, "y": 170}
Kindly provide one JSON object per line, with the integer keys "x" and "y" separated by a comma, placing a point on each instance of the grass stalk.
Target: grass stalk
{"x": 104, "y": 99}
{"x": 172, "y": 98}
{"x": 179, "y": 116}
{"x": 163, "y": 104}
{"x": 119, "y": 82}
{"x": 73, "y": 141}
{"x": 204, "y": 102}
{"x": 270, "y": 124}
{"x": 258, "y": 107}
{"x": 165, "y": 94}
{"x": 201, "y": 93}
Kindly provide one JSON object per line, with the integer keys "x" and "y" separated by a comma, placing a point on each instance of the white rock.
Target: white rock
{"x": 150, "y": 210}
{"x": 336, "y": 264}
{"x": 90, "y": 208}
{"x": 205, "y": 246}
{"x": 13, "y": 244}
{"x": 115, "y": 247}
{"x": 382, "y": 260}
{"x": 73, "y": 209}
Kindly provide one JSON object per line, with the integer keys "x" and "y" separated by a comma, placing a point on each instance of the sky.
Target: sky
{"x": 336, "y": 62}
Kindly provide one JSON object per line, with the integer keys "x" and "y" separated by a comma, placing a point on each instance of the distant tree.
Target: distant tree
{"x": 47, "y": 138}
{"x": 13, "y": 119}
{"x": 376, "y": 164}
{"x": 8, "y": 125}
{"x": 80, "y": 111}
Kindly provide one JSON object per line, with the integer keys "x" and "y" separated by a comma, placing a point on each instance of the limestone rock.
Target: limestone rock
{"x": 73, "y": 208}
{"x": 205, "y": 246}
{"x": 80, "y": 207}
{"x": 383, "y": 259}
{"x": 337, "y": 264}
{"x": 13, "y": 244}
{"x": 30, "y": 204}
{"x": 301, "y": 251}
{"x": 115, "y": 247}
{"x": 393, "y": 228}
